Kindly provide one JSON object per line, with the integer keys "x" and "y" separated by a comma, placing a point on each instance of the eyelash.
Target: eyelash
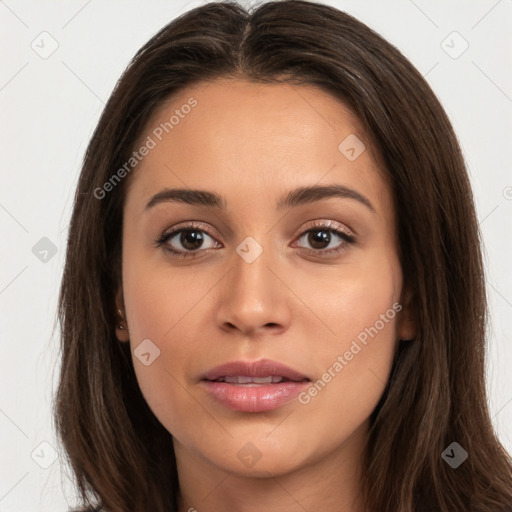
{"x": 346, "y": 238}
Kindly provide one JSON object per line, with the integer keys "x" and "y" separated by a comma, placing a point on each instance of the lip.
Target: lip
{"x": 254, "y": 397}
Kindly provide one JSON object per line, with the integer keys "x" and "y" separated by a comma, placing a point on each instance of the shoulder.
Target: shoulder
{"x": 88, "y": 509}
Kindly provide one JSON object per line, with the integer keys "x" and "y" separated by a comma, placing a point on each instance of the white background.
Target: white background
{"x": 50, "y": 108}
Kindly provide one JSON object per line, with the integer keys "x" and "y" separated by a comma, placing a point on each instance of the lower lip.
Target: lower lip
{"x": 254, "y": 398}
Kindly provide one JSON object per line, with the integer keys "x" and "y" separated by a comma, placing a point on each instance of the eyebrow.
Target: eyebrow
{"x": 297, "y": 197}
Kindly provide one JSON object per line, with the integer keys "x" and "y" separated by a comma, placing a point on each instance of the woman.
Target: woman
{"x": 273, "y": 296}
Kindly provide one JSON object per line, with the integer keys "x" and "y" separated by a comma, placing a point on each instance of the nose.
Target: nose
{"x": 253, "y": 300}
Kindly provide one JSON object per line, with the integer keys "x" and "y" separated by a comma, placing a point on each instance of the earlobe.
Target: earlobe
{"x": 122, "y": 333}
{"x": 407, "y": 324}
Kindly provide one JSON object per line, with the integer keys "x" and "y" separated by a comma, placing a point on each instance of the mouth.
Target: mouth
{"x": 256, "y": 372}
{"x": 245, "y": 380}
{"x": 254, "y": 386}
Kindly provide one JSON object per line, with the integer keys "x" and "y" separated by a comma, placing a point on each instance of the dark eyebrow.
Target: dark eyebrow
{"x": 297, "y": 197}
{"x": 305, "y": 195}
{"x": 188, "y": 196}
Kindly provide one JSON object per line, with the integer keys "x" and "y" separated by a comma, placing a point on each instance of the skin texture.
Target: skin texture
{"x": 252, "y": 143}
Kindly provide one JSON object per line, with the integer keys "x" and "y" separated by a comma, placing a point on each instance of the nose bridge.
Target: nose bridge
{"x": 250, "y": 278}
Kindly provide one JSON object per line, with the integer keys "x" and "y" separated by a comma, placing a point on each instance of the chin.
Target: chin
{"x": 258, "y": 457}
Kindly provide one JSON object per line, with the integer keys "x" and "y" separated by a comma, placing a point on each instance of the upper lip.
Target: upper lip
{"x": 261, "y": 368}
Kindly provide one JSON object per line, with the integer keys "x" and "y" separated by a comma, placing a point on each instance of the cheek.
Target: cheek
{"x": 357, "y": 301}
{"x": 160, "y": 306}
{"x": 359, "y": 312}
{"x": 355, "y": 369}
{"x": 159, "y": 299}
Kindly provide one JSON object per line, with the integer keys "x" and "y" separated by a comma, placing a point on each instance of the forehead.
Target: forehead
{"x": 245, "y": 138}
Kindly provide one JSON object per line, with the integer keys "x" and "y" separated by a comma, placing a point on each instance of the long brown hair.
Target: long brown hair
{"x": 121, "y": 456}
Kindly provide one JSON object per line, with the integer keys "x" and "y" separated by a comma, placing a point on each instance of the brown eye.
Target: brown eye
{"x": 319, "y": 238}
{"x": 322, "y": 240}
{"x": 186, "y": 241}
{"x": 191, "y": 240}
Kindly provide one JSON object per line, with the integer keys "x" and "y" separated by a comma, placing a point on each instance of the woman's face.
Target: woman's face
{"x": 260, "y": 275}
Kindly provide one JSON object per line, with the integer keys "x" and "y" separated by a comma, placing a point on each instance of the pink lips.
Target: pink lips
{"x": 257, "y": 386}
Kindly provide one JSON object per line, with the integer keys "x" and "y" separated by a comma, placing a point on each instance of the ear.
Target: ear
{"x": 122, "y": 333}
{"x": 407, "y": 323}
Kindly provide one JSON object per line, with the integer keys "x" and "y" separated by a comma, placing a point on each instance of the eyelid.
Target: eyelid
{"x": 327, "y": 224}
{"x": 190, "y": 225}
